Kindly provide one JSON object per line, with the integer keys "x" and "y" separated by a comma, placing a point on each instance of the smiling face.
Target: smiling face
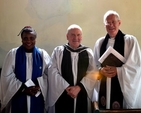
{"x": 28, "y": 40}
{"x": 74, "y": 37}
{"x": 112, "y": 24}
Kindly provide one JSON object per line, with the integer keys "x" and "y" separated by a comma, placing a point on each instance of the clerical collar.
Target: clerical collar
{"x": 80, "y": 48}
{"x": 112, "y": 38}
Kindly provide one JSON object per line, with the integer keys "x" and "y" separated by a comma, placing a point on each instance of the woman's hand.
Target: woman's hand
{"x": 31, "y": 91}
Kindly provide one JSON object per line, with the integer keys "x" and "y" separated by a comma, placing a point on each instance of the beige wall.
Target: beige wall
{"x": 50, "y": 18}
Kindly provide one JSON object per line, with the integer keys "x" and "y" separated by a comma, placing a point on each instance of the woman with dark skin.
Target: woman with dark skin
{"x": 23, "y": 65}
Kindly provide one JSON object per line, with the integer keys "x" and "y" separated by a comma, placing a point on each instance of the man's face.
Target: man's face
{"x": 28, "y": 41}
{"x": 112, "y": 25}
{"x": 74, "y": 37}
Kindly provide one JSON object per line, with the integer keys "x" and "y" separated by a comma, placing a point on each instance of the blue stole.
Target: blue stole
{"x": 19, "y": 101}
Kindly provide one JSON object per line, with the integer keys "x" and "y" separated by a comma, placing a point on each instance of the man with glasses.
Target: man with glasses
{"x": 119, "y": 86}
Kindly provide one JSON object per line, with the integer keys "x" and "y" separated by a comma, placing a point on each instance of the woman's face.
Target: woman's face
{"x": 28, "y": 41}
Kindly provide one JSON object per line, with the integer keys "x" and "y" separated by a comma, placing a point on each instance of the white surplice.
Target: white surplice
{"x": 57, "y": 84}
{"x": 129, "y": 75}
{"x": 10, "y": 84}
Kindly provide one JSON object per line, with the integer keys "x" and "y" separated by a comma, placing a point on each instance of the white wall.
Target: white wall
{"x": 50, "y": 18}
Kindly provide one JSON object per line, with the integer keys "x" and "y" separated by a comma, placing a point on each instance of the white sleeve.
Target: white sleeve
{"x": 89, "y": 80}
{"x": 43, "y": 83}
{"x": 129, "y": 74}
{"x": 8, "y": 78}
{"x": 57, "y": 84}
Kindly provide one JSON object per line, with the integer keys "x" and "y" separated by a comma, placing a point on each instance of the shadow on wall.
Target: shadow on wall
{"x": 2, "y": 56}
{"x": 0, "y": 100}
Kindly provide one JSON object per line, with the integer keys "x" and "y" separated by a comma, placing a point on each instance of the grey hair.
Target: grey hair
{"x": 110, "y": 12}
{"x": 73, "y": 26}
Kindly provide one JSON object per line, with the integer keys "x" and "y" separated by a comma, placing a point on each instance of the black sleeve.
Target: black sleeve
{"x": 82, "y": 87}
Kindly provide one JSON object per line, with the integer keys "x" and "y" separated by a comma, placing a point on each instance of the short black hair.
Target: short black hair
{"x": 27, "y": 29}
